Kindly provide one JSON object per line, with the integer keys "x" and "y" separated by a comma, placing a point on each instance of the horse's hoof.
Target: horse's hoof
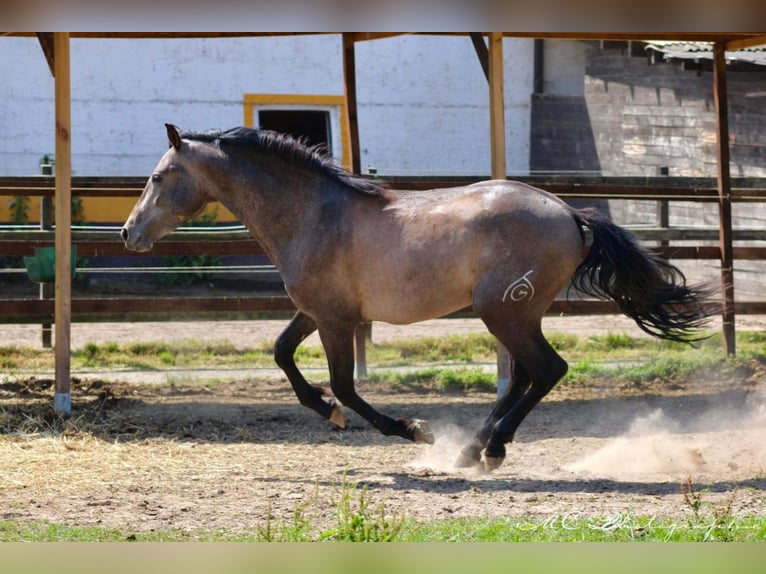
{"x": 469, "y": 457}
{"x": 421, "y": 431}
{"x": 490, "y": 463}
{"x": 494, "y": 455}
{"x": 465, "y": 461}
{"x": 336, "y": 416}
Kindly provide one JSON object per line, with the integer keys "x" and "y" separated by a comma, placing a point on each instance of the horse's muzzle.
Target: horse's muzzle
{"x": 133, "y": 241}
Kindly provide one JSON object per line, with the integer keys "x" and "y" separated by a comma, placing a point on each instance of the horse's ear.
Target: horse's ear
{"x": 173, "y": 137}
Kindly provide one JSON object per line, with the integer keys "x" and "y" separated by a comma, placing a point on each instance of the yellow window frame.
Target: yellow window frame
{"x": 253, "y": 101}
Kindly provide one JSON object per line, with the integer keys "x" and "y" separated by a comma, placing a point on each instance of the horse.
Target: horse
{"x": 351, "y": 250}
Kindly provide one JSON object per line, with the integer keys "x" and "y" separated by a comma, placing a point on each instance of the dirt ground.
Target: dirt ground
{"x": 228, "y": 454}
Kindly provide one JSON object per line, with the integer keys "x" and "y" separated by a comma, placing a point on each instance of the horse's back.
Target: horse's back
{"x": 430, "y": 250}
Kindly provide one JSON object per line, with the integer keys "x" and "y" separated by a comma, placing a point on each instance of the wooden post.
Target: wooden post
{"x": 63, "y": 286}
{"x": 364, "y": 331}
{"x": 47, "y": 290}
{"x": 497, "y": 138}
{"x": 724, "y": 196}
{"x": 497, "y": 105}
{"x": 362, "y": 338}
{"x": 349, "y": 80}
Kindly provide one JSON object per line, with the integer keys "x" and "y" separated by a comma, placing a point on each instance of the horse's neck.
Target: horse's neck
{"x": 277, "y": 202}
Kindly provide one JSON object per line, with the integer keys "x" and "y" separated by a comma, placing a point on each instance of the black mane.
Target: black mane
{"x": 290, "y": 148}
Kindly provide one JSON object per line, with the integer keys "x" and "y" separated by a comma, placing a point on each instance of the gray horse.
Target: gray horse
{"x": 350, "y": 250}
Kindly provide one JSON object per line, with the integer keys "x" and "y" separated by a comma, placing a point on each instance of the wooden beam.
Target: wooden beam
{"x": 481, "y": 52}
{"x": 743, "y": 43}
{"x": 63, "y": 202}
{"x": 366, "y": 36}
{"x": 46, "y": 43}
{"x": 724, "y": 196}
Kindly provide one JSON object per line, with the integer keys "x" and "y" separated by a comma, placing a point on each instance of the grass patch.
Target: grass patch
{"x": 662, "y": 367}
{"x": 621, "y": 527}
{"x": 373, "y": 523}
{"x": 614, "y": 355}
{"x": 439, "y": 379}
{"x": 471, "y": 347}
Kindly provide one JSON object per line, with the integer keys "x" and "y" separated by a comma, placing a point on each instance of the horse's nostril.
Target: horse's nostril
{"x": 124, "y": 234}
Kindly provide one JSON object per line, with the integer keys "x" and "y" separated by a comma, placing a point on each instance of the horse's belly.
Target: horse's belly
{"x": 409, "y": 302}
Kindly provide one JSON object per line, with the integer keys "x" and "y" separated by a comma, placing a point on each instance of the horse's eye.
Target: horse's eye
{"x": 156, "y": 178}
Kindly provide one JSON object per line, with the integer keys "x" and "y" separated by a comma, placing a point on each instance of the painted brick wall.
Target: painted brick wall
{"x": 634, "y": 119}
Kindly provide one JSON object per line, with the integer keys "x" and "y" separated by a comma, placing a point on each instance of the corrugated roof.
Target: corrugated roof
{"x": 704, "y": 50}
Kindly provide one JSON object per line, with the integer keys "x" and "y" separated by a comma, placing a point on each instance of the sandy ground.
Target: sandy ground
{"x": 229, "y": 455}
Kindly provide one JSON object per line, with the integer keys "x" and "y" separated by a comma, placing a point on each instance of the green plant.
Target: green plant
{"x": 78, "y": 211}
{"x": 19, "y": 209}
{"x": 191, "y": 264}
{"x": 19, "y": 215}
{"x": 718, "y": 523}
{"x": 465, "y": 380}
{"x": 613, "y": 341}
{"x": 359, "y": 519}
{"x": 91, "y": 352}
{"x": 297, "y": 530}
{"x": 563, "y": 342}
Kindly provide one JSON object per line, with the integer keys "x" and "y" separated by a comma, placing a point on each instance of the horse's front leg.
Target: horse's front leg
{"x": 316, "y": 398}
{"x": 338, "y": 343}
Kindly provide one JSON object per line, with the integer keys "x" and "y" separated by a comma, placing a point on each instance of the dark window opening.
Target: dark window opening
{"x": 311, "y": 125}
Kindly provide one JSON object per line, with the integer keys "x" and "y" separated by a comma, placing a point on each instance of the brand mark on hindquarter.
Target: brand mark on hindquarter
{"x": 520, "y": 289}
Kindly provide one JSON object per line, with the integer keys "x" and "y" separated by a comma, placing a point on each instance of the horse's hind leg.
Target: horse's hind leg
{"x": 338, "y": 342}
{"x": 316, "y": 398}
{"x": 540, "y": 367}
{"x": 520, "y": 382}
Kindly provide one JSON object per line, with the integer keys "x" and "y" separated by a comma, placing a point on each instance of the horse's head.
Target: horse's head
{"x": 172, "y": 195}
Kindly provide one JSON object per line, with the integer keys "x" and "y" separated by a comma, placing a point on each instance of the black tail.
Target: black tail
{"x": 649, "y": 290}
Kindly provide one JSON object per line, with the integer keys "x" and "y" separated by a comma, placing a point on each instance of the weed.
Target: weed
{"x": 298, "y": 530}
{"x": 18, "y": 208}
{"x": 359, "y": 519}
{"x": 716, "y": 525}
{"x": 613, "y": 341}
{"x": 153, "y": 348}
{"x": 91, "y": 352}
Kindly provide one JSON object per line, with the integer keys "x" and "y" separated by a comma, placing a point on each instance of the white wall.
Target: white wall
{"x": 423, "y": 100}
{"x": 424, "y": 105}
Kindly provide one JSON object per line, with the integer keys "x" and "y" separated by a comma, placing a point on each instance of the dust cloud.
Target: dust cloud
{"x": 722, "y": 442}
{"x": 440, "y": 457}
{"x": 722, "y": 439}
